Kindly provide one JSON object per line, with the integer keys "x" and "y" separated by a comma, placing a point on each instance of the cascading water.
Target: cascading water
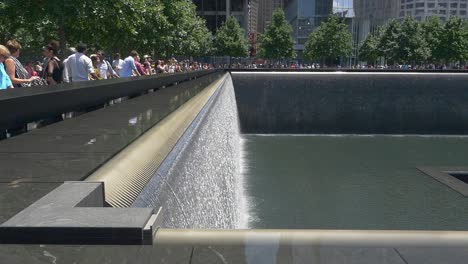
{"x": 200, "y": 183}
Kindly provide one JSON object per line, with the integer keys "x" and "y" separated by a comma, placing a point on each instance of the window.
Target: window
{"x": 419, "y": 12}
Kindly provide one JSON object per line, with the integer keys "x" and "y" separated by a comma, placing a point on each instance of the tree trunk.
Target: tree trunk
{"x": 62, "y": 38}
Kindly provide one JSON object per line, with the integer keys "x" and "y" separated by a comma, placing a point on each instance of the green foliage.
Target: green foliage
{"x": 370, "y": 49}
{"x": 413, "y": 45}
{"x": 277, "y": 42}
{"x": 390, "y": 41}
{"x": 455, "y": 40}
{"x": 230, "y": 40}
{"x": 329, "y": 41}
{"x": 184, "y": 33}
{"x": 433, "y": 33}
{"x": 170, "y": 27}
{"x": 414, "y": 42}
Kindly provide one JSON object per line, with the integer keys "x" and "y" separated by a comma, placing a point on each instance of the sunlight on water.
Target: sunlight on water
{"x": 202, "y": 185}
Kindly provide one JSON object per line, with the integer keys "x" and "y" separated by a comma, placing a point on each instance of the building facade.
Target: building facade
{"x": 373, "y": 13}
{"x": 370, "y": 14}
{"x": 305, "y": 16}
{"x": 422, "y": 9}
{"x": 215, "y": 12}
{"x": 265, "y": 12}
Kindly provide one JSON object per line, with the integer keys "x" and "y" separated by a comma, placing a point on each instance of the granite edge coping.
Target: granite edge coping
{"x": 76, "y": 213}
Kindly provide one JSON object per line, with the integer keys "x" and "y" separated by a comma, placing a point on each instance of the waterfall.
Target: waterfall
{"x": 200, "y": 183}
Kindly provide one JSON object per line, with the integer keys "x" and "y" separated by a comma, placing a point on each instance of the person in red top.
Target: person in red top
{"x": 140, "y": 68}
{"x": 30, "y": 69}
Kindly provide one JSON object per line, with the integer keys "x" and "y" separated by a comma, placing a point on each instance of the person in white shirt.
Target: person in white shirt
{"x": 79, "y": 66}
{"x": 65, "y": 75}
{"x": 117, "y": 64}
{"x": 105, "y": 67}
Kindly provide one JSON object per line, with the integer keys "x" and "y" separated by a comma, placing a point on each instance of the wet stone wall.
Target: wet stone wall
{"x": 357, "y": 103}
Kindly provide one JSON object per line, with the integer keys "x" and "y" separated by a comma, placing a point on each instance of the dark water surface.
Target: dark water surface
{"x": 353, "y": 182}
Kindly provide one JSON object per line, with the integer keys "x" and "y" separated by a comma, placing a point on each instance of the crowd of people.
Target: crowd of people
{"x": 76, "y": 66}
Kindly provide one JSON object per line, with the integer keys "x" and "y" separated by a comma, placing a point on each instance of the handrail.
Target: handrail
{"x": 328, "y": 70}
{"x": 337, "y": 238}
{"x": 24, "y": 105}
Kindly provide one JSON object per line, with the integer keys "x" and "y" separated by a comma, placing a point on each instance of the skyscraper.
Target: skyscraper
{"x": 369, "y": 14}
{"x": 305, "y": 16}
{"x": 215, "y": 12}
{"x": 265, "y": 12}
{"x": 422, "y": 9}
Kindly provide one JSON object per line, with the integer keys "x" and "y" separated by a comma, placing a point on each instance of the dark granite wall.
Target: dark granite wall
{"x": 370, "y": 103}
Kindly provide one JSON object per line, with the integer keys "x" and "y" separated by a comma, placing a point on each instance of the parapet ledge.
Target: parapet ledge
{"x": 76, "y": 213}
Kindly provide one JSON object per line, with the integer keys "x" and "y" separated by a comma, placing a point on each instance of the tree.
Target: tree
{"x": 329, "y": 41}
{"x": 202, "y": 40}
{"x": 413, "y": 47}
{"x": 115, "y": 24}
{"x": 277, "y": 42}
{"x": 370, "y": 49}
{"x": 433, "y": 32}
{"x": 184, "y": 33}
{"x": 390, "y": 42}
{"x": 455, "y": 40}
{"x": 230, "y": 40}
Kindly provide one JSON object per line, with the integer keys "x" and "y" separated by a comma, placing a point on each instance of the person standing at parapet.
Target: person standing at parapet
{"x": 53, "y": 68}
{"x": 105, "y": 67}
{"x": 17, "y": 73}
{"x": 129, "y": 68}
{"x": 117, "y": 63}
{"x": 5, "y": 81}
{"x": 66, "y": 76}
{"x": 79, "y": 66}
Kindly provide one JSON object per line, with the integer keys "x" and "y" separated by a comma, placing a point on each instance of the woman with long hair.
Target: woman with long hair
{"x": 53, "y": 67}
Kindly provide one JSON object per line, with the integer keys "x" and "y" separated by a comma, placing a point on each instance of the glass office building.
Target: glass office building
{"x": 305, "y": 16}
{"x": 216, "y": 11}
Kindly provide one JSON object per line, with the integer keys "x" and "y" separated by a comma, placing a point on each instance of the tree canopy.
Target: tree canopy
{"x": 454, "y": 41}
{"x": 170, "y": 27}
{"x": 433, "y": 33}
{"x": 410, "y": 41}
{"x": 184, "y": 33}
{"x": 230, "y": 40}
{"x": 277, "y": 43}
{"x": 329, "y": 41}
{"x": 370, "y": 50}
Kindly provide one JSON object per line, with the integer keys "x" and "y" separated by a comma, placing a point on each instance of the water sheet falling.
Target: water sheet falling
{"x": 199, "y": 185}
